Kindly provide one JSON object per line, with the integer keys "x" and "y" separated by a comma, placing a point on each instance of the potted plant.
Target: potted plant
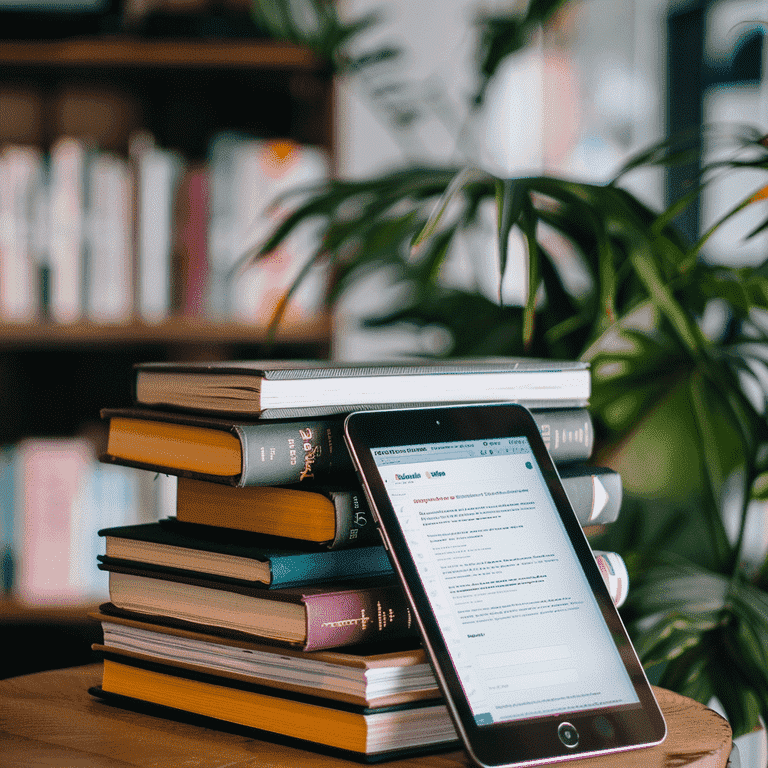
{"x": 677, "y": 345}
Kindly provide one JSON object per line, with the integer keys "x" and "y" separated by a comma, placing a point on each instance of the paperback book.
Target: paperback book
{"x": 370, "y": 675}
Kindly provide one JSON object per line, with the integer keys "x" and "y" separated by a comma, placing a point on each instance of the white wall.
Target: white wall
{"x": 579, "y": 110}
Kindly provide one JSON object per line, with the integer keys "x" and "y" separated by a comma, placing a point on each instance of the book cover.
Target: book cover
{"x": 370, "y": 675}
{"x": 301, "y": 388}
{"x": 312, "y": 617}
{"x": 169, "y": 545}
{"x": 279, "y": 451}
{"x": 363, "y": 732}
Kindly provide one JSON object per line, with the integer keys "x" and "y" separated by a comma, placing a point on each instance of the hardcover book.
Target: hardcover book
{"x": 274, "y": 389}
{"x": 312, "y": 617}
{"x": 238, "y": 452}
{"x": 279, "y": 452}
{"x": 333, "y": 517}
{"x": 341, "y": 517}
{"x": 241, "y": 556}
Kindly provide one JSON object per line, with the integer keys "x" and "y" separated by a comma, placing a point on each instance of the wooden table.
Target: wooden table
{"x": 50, "y": 719}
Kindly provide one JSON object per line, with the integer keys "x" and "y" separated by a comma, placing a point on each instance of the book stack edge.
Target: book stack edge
{"x": 268, "y": 601}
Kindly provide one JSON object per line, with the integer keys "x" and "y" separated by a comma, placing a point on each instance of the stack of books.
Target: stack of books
{"x": 267, "y": 601}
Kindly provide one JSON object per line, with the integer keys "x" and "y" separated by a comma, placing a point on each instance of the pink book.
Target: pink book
{"x": 51, "y": 482}
{"x": 192, "y": 216}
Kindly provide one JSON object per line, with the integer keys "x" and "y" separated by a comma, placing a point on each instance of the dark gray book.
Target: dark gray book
{"x": 244, "y": 452}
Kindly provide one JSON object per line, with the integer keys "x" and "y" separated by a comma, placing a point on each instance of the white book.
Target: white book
{"x": 266, "y": 170}
{"x": 67, "y": 195}
{"x": 157, "y": 174}
{"x": 109, "y": 278}
{"x": 22, "y": 191}
{"x": 248, "y": 176}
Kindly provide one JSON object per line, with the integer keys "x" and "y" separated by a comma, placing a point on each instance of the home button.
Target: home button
{"x": 568, "y": 735}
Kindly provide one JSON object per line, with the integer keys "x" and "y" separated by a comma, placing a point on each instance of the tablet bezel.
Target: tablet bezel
{"x": 518, "y": 742}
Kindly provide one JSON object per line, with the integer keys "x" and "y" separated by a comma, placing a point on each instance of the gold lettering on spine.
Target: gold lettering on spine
{"x": 385, "y": 617}
{"x": 311, "y": 452}
{"x": 362, "y": 620}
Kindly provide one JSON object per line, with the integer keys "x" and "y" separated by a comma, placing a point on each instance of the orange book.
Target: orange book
{"x": 364, "y": 732}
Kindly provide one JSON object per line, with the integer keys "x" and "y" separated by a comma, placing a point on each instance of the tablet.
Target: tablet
{"x": 528, "y": 648}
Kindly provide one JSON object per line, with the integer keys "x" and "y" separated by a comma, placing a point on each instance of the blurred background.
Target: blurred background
{"x": 143, "y": 144}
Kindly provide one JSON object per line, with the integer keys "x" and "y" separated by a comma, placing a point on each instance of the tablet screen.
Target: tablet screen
{"x": 521, "y": 624}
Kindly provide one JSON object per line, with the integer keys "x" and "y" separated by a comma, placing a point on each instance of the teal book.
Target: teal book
{"x": 219, "y": 553}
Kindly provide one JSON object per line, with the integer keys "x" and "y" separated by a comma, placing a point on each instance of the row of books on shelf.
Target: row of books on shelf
{"x": 267, "y": 601}
{"x": 88, "y": 234}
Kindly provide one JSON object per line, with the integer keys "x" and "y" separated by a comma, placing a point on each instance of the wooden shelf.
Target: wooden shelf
{"x": 135, "y": 53}
{"x": 182, "y": 331}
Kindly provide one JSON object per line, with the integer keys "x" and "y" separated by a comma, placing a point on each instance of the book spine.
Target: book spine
{"x": 191, "y": 248}
{"x": 21, "y": 192}
{"x": 335, "y": 565}
{"x": 276, "y": 453}
{"x": 357, "y": 616}
{"x": 109, "y": 271}
{"x": 354, "y": 522}
{"x": 595, "y": 493}
{"x": 69, "y": 160}
{"x": 8, "y": 523}
{"x": 293, "y": 452}
{"x": 157, "y": 176}
{"x": 567, "y": 432}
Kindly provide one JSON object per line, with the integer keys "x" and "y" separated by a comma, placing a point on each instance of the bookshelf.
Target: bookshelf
{"x": 56, "y": 376}
{"x": 192, "y": 333}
